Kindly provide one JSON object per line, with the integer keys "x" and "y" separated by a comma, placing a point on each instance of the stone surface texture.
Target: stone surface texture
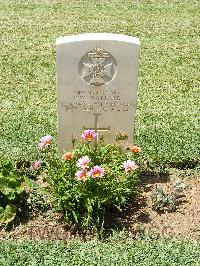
{"x": 97, "y": 76}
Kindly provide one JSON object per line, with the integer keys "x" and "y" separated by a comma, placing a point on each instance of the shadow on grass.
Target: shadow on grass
{"x": 185, "y": 164}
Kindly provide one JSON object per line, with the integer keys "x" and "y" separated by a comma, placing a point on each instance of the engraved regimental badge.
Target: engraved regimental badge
{"x": 97, "y": 67}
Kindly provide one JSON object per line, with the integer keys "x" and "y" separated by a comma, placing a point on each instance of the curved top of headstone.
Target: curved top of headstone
{"x": 97, "y": 36}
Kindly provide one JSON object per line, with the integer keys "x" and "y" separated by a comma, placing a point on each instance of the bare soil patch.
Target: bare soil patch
{"x": 139, "y": 218}
{"x": 183, "y": 223}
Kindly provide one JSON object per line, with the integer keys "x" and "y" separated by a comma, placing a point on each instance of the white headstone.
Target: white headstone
{"x": 97, "y": 76}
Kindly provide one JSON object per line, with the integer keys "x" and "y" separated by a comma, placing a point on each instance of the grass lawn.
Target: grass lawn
{"x": 121, "y": 253}
{"x": 166, "y": 125}
{"x": 167, "y": 108}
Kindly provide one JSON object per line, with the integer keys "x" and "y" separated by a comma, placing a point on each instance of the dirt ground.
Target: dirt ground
{"x": 183, "y": 223}
{"x": 140, "y": 218}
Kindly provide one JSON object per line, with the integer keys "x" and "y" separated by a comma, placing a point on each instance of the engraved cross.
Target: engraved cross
{"x": 96, "y": 128}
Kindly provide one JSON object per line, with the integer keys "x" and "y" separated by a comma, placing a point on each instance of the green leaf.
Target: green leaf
{"x": 7, "y": 214}
{"x": 9, "y": 191}
{"x": 10, "y": 185}
{"x": 75, "y": 216}
{"x": 118, "y": 207}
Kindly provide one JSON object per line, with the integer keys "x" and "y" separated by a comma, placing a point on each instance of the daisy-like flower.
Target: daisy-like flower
{"x": 96, "y": 171}
{"x": 68, "y": 156}
{"x": 36, "y": 165}
{"x": 83, "y": 162}
{"x": 88, "y": 135}
{"x": 45, "y": 141}
{"x": 129, "y": 166}
{"x": 135, "y": 149}
{"x": 81, "y": 175}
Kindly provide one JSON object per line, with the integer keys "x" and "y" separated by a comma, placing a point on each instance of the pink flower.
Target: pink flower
{"x": 45, "y": 141}
{"x": 129, "y": 166}
{"x": 36, "y": 165}
{"x": 96, "y": 171}
{"x": 83, "y": 162}
{"x": 81, "y": 175}
{"x": 42, "y": 145}
{"x": 88, "y": 135}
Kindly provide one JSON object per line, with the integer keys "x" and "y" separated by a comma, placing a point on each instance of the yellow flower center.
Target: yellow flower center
{"x": 97, "y": 175}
